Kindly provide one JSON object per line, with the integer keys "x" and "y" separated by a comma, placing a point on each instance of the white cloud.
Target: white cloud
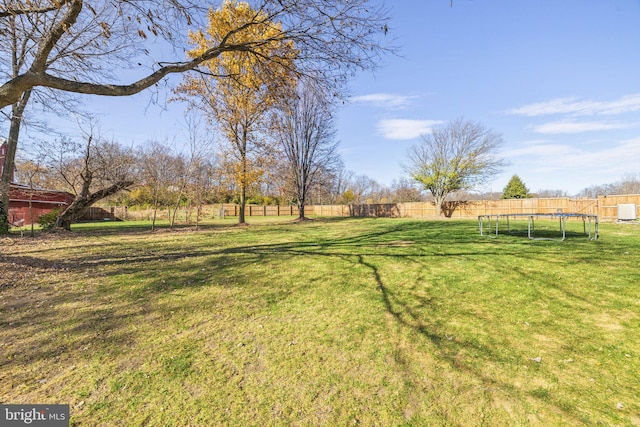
{"x": 384, "y": 100}
{"x": 538, "y": 149}
{"x": 554, "y": 106}
{"x": 612, "y": 157}
{"x": 574, "y": 107}
{"x": 403, "y": 129}
{"x": 570, "y": 126}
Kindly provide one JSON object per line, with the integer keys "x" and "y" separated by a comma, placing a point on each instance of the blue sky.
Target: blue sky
{"x": 559, "y": 79}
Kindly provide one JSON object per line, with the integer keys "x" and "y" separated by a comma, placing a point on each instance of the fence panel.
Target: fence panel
{"x": 585, "y": 206}
{"x": 606, "y": 207}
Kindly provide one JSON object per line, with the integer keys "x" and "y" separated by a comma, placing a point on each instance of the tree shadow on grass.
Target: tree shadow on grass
{"x": 365, "y": 247}
{"x": 103, "y": 319}
{"x": 449, "y": 348}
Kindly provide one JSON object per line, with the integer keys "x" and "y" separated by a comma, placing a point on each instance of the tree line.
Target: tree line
{"x": 167, "y": 175}
{"x": 54, "y": 51}
{"x": 265, "y": 75}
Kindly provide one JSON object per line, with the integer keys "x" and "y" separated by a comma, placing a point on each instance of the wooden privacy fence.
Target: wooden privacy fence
{"x": 606, "y": 207}
{"x": 207, "y": 211}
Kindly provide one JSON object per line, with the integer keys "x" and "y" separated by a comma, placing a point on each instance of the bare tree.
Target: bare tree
{"x": 80, "y": 46}
{"x": 629, "y": 184}
{"x": 340, "y": 183}
{"x": 157, "y": 170}
{"x": 179, "y": 178}
{"x": 20, "y": 34}
{"x": 103, "y": 169}
{"x": 305, "y": 129}
{"x": 329, "y": 185}
{"x": 201, "y": 185}
{"x": 198, "y": 149}
{"x": 336, "y": 36}
{"x": 404, "y": 191}
{"x": 548, "y": 193}
{"x": 458, "y": 156}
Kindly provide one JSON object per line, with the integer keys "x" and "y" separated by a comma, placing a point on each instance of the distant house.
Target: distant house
{"x": 41, "y": 200}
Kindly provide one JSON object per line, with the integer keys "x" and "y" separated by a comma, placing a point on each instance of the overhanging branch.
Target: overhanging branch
{"x": 6, "y": 11}
{"x": 11, "y": 91}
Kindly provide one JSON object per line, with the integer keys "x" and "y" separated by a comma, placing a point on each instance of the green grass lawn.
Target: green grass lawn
{"x": 331, "y": 322}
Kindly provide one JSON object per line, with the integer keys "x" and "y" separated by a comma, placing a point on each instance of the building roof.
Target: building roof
{"x": 23, "y": 193}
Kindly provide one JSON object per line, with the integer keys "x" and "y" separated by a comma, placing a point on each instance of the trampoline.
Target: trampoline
{"x": 589, "y": 224}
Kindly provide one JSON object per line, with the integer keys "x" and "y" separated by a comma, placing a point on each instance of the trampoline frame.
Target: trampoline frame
{"x": 562, "y": 217}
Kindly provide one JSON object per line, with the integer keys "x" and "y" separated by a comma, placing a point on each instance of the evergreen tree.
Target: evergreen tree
{"x": 515, "y": 189}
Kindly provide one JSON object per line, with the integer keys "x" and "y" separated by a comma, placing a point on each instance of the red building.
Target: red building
{"x": 26, "y": 203}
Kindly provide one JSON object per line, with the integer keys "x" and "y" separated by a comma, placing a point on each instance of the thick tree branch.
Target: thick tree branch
{"x": 80, "y": 205}
{"x": 11, "y": 91}
{"x": 332, "y": 38}
{"x": 47, "y": 44}
{"x": 15, "y": 11}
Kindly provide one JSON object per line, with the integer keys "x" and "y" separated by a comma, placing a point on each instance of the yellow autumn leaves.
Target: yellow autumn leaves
{"x": 253, "y": 71}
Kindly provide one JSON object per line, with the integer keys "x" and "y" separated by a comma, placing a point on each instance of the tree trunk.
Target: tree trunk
{"x": 439, "y": 201}
{"x": 302, "y": 200}
{"x": 10, "y": 156}
{"x": 4, "y": 206}
{"x": 174, "y": 213}
{"x": 155, "y": 209}
{"x": 243, "y": 180}
{"x": 175, "y": 209}
{"x": 243, "y": 204}
{"x": 198, "y": 212}
{"x": 80, "y": 205}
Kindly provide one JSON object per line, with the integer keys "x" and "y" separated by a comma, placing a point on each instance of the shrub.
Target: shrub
{"x": 46, "y": 221}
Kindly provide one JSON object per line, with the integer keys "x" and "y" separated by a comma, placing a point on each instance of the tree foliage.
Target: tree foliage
{"x": 251, "y": 87}
{"x": 84, "y": 46}
{"x": 515, "y": 189}
{"x": 334, "y": 36}
{"x": 159, "y": 171}
{"x": 460, "y": 155}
